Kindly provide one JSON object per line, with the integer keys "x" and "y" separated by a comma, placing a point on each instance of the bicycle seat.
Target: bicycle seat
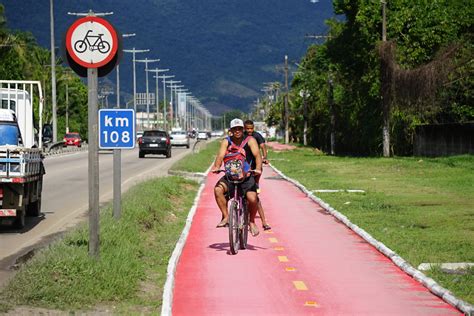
{"x": 100, "y": 34}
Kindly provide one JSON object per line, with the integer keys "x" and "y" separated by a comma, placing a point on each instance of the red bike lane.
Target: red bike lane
{"x": 308, "y": 264}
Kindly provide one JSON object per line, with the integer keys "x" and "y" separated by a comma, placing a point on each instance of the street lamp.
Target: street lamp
{"x": 146, "y": 61}
{"x": 157, "y": 71}
{"x": 164, "y": 98}
{"x": 134, "y": 51}
{"x": 118, "y": 73}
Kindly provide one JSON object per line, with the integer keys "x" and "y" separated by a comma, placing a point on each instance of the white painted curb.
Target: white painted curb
{"x": 166, "y": 307}
{"x": 429, "y": 283}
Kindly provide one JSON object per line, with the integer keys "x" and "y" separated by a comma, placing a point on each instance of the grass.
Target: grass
{"x": 199, "y": 161}
{"x": 422, "y": 208}
{"x": 134, "y": 254}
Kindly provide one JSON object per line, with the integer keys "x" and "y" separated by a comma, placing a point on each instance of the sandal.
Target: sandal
{"x": 266, "y": 227}
{"x": 223, "y": 223}
{"x": 253, "y": 229}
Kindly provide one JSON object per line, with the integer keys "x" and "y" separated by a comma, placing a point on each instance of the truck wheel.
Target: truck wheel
{"x": 20, "y": 220}
{"x": 34, "y": 209}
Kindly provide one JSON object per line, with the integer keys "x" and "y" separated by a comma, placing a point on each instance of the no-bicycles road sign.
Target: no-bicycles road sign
{"x": 92, "y": 42}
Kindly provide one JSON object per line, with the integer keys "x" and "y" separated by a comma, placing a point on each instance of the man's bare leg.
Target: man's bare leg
{"x": 261, "y": 213}
{"x": 252, "y": 201}
{"x": 219, "y": 193}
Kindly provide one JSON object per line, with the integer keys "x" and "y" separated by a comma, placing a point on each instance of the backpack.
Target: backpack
{"x": 235, "y": 160}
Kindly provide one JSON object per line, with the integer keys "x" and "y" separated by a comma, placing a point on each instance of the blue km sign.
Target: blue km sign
{"x": 116, "y": 129}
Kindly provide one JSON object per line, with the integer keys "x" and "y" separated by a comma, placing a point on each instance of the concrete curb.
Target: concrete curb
{"x": 429, "y": 283}
{"x": 67, "y": 150}
{"x": 166, "y": 307}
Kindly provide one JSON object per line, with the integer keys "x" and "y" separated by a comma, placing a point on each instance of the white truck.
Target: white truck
{"x": 21, "y": 158}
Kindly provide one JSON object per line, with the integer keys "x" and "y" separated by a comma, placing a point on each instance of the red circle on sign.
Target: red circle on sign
{"x": 110, "y": 28}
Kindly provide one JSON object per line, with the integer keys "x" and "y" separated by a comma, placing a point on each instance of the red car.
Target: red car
{"x": 72, "y": 139}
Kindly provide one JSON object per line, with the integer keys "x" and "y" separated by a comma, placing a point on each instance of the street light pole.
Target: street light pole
{"x": 287, "y": 132}
{"x": 172, "y": 82}
{"x": 118, "y": 73}
{"x": 157, "y": 71}
{"x": 146, "y": 61}
{"x": 174, "y": 88}
{"x": 164, "y": 99}
{"x": 134, "y": 51}
{"x": 53, "y": 72}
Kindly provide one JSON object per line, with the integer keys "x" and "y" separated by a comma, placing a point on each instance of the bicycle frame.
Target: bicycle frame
{"x": 97, "y": 37}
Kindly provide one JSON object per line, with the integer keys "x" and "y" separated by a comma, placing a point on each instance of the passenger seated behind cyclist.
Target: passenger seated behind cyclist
{"x": 250, "y": 131}
{"x": 248, "y": 185}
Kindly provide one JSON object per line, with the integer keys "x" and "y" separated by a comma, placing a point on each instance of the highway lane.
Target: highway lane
{"x": 65, "y": 196}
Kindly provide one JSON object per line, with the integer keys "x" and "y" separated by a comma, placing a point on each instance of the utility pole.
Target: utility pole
{"x": 333, "y": 115}
{"x": 134, "y": 51}
{"x": 384, "y": 92}
{"x": 165, "y": 123}
{"x": 173, "y": 88}
{"x": 172, "y": 82}
{"x": 53, "y": 72}
{"x": 146, "y": 61}
{"x": 287, "y": 132}
{"x": 157, "y": 71}
{"x": 179, "y": 92}
{"x": 118, "y": 73}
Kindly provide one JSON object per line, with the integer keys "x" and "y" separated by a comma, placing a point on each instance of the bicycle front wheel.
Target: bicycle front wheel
{"x": 234, "y": 226}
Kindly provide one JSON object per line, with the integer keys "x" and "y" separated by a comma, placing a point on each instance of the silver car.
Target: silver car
{"x": 179, "y": 138}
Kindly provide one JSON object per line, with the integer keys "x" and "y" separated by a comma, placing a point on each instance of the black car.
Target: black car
{"x": 154, "y": 142}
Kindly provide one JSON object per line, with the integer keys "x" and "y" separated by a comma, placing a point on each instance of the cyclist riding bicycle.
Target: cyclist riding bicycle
{"x": 249, "y": 129}
{"x": 223, "y": 186}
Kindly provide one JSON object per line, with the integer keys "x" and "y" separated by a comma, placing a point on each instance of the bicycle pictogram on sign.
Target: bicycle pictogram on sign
{"x": 98, "y": 44}
{"x": 92, "y": 42}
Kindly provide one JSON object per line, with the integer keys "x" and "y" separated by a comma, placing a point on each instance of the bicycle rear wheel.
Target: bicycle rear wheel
{"x": 244, "y": 234}
{"x": 234, "y": 226}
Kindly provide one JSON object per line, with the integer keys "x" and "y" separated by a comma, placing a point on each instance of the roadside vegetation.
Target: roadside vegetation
{"x": 200, "y": 160}
{"x": 422, "y": 208}
{"x": 134, "y": 253}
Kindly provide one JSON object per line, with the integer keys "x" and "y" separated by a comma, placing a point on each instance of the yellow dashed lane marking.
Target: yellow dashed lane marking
{"x": 279, "y": 248}
{"x": 300, "y": 286}
{"x": 311, "y": 303}
{"x": 283, "y": 258}
{"x": 290, "y": 269}
{"x": 273, "y": 240}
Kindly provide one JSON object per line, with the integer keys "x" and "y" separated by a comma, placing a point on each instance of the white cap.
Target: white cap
{"x": 236, "y": 122}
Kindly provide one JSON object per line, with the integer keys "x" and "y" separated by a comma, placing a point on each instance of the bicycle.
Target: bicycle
{"x": 239, "y": 216}
{"x": 99, "y": 44}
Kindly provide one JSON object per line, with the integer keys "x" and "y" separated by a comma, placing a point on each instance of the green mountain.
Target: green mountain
{"x": 222, "y": 51}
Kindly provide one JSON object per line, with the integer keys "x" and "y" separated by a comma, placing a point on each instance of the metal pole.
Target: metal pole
{"x": 117, "y": 183}
{"x": 157, "y": 103}
{"x": 385, "y": 101}
{"x": 118, "y": 75}
{"x": 133, "y": 51}
{"x": 67, "y": 107}
{"x": 287, "y": 132}
{"x": 165, "y": 104}
{"x": 53, "y": 72}
{"x": 93, "y": 164}
{"x": 146, "y": 61}
{"x": 118, "y": 86}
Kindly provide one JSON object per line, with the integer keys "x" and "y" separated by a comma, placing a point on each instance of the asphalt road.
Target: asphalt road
{"x": 65, "y": 197}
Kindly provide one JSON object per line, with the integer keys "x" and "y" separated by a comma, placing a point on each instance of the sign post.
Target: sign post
{"x": 117, "y": 131}
{"x": 91, "y": 49}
